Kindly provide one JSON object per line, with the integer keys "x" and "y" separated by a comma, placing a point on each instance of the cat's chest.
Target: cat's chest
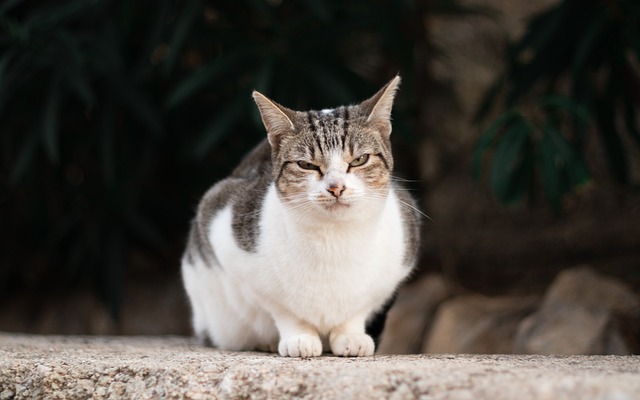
{"x": 323, "y": 273}
{"x": 329, "y": 243}
{"x": 286, "y": 246}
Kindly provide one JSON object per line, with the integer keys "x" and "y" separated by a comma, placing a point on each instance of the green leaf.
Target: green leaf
{"x": 50, "y": 121}
{"x": 152, "y": 40}
{"x": 605, "y": 117}
{"x": 5, "y": 80}
{"x": 488, "y": 137}
{"x": 25, "y": 156}
{"x": 73, "y": 68}
{"x": 567, "y": 157}
{"x": 7, "y": 5}
{"x": 220, "y": 126}
{"x": 46, "y": 18}
{"x": 138, "y": 102}
{"x": 509, "y": 153}
{"x": 319, "y": 9}
{"x": 489, "y": 99}
{"x": 589, "y": 38}
{"x": 548, "y": 171}
{"x": 631, "y": 119}
{"x": 564, "y": 103}
{"x": 207, "y": 75}
{"x": 183, "y": 27}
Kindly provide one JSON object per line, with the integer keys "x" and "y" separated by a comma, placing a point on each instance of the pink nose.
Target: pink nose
{"x": 336, "y": 190}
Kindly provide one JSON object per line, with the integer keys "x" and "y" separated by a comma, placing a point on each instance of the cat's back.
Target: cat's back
{"x": 256, "y": 165}
{"x": 243, "y": 191}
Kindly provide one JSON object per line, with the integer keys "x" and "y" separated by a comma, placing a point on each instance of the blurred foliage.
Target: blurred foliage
{"x": 116, "y": 115}
{"x": 577, "y": 65}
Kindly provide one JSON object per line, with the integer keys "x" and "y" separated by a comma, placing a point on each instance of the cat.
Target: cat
{"x": 304, "y": 245}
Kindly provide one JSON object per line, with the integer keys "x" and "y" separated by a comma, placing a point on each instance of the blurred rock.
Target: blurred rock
{"x": 477, "y": 324}
{"x": 583, "y": 312}
{"x": 412, "y": 314}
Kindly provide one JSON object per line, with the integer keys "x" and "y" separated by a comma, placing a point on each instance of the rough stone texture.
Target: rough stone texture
{"x": 411, "y": 316}
{"x": 477, "y": 324}
{"x": 176, "y": 368}
{"x": 580, "y": 314}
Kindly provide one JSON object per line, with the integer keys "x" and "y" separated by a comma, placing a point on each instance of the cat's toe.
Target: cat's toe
{"x": 353, "y": 344}
{"x": 303, "y": 345}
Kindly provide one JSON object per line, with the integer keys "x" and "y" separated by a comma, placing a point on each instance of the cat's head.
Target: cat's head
{"x": 334, "y": 161}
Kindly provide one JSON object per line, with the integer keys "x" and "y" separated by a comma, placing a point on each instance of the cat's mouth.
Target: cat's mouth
{"x": 336, "y": 204}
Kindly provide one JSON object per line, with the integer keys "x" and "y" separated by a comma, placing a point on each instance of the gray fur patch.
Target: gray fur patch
{"x": 245, "y": 189}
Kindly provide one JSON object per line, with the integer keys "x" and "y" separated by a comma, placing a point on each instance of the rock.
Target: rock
{"x": 412, "y": 314}
{"x": 177, "y": 368}
{"x": 582, "y": 313}
{"x": 477, "y": 324}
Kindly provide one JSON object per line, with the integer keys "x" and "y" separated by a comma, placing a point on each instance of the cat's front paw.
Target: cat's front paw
{"x": 352, "y": 344}
{"x": 303, "y": 345}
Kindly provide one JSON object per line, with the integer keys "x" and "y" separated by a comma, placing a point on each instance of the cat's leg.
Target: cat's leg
{"x": 297, "y": 338}
{"x": 349, "y": 339}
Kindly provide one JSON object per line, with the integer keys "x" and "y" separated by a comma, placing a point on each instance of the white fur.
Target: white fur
{"x": 316, "y": 276}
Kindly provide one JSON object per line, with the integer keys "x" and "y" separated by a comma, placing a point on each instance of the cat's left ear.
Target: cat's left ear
{"x": 277, "y": 119}
{"x": 378, "y": 107}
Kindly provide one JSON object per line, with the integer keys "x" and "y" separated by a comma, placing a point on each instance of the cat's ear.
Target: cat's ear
{"x": 378, "y": 108}
{"x": 277, "y": 119}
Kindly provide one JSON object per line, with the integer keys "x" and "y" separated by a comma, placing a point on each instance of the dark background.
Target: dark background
{"x": 116, "y": 116}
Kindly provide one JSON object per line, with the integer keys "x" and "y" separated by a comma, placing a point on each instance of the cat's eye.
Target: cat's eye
{"x": 308, "y": 165}
{"x": 359, "y": 161}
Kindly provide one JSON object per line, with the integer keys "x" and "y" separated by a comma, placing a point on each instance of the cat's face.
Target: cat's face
{"x": 333, "y": 161}
{"x": 336, "y": 162}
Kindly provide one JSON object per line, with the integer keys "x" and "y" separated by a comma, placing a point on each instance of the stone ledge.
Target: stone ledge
{"x": 176, "y": 368}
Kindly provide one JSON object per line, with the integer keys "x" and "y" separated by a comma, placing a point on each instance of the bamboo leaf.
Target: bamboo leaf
{"x": 319, "y": 9}
{"x": 589, "y": 39}
{"x": 489, "y": 99}
{"x": 137, "y": 101}
{"x": 548, "y": 171}
{"x": 220, "y": 126}
{"x": 488, "y": 137}
{"x": 207, "y": 75}
{"x": 73, "y": 67}
{"x": 25, "y": 156}
{"x": 631, "y": 119}
{"x": 567, "y": 158}
{"x": 577, "y": 110}
{"x": 7, "y": 5}
{"x": 50, "y": 121}
{"x": 605, "y": 117}
{"x": 505, "y": 160}
{"x": 523, "y": 172}
{"x": 183, "y": 27}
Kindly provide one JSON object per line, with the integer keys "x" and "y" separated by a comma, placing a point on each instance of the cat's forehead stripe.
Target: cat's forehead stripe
{"x": 329, "y": 127}
{"x": 345, "y": 126}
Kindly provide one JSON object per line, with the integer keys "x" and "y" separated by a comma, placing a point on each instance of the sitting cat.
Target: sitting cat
{"x": 308, "y": 239}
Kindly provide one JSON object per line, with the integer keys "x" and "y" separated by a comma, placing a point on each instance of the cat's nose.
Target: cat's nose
{"x": 336, "y": 189}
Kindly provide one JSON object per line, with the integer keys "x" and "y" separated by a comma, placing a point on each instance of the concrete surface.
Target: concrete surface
{"x": 56, "y": 367}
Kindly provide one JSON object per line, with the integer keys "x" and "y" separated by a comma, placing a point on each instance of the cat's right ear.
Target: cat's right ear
{"x": 277, "y": 119}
